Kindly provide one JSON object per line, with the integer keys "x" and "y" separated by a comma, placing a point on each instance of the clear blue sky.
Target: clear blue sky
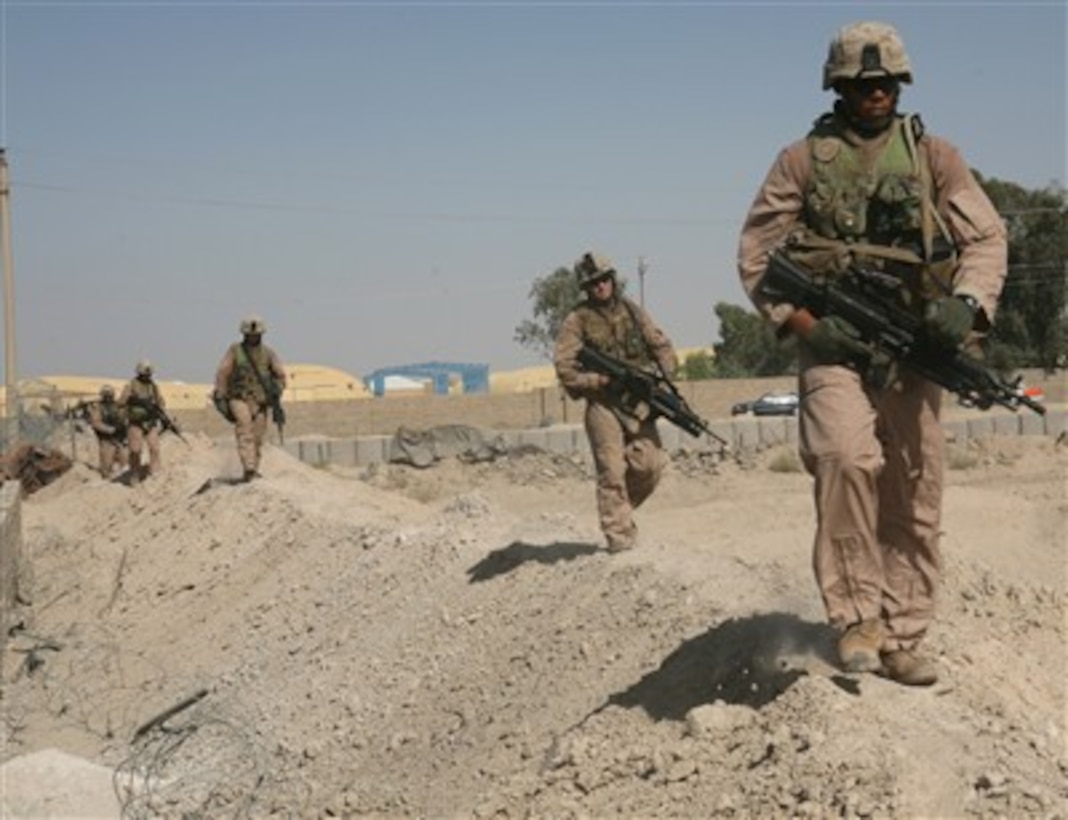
{"x": 383, "y": 182}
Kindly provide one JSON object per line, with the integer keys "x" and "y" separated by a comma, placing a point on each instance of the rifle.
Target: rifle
{"x": 79, "y": 411}
{"x": 274, "y": 395}
{"x": 278, "y": 413}
{"x": 867, "y": 300}
{"x": 156, "y": 413}
{"x": 633, "y": 385}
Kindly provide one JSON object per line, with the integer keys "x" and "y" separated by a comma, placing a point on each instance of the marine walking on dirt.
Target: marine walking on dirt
{"x": 627, "y": 451}
{"x": 869, "y": 188}
{"x": 142, "y": 403}
{"x": 107, "y": 419}
{"x": 248, "y": 384}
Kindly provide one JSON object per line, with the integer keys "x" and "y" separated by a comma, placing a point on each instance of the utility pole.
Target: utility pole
{"x": 641, "y": 280}
{"x": 11, "y": 399}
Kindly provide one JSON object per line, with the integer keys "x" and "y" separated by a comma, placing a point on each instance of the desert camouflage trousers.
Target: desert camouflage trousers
{"x": 250, "y": 429}
{"x": 628, "y": 465}
{"x": 111, "y": 453}
{"x": 137, "y": 438}
{"x": 878, "y": 459}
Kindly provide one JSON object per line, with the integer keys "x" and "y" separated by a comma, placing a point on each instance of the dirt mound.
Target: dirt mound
{"x": 453, "y": 641}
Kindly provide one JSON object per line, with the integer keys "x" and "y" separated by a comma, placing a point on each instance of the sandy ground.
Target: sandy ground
{"x": 454, "y": 642}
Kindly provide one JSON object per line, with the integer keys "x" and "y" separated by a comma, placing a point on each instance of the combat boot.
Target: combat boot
{"x": 909, "y": 667}
{"x": 622, "y": 543}
{"x": 859, "y": 646}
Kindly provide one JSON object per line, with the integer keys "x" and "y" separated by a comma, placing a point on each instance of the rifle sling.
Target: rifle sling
{"x": 256, "y": 371}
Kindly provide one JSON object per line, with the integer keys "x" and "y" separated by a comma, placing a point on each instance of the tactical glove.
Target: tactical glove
{"x": 947, "y": 321}
{"x": 833, "y": 340}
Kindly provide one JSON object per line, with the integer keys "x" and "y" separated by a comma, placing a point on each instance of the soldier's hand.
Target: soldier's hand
{"x": 948, "y": 321}
{"x": 833, "y": 340}
{"x": 600, "y": 381}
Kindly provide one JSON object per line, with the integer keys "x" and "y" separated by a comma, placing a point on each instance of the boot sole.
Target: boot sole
{"x": 861, "y": 662}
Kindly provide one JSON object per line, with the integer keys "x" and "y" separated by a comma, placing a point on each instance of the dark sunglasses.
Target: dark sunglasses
{"x": 867, "y": 86}
{"x": 592, "y": 283}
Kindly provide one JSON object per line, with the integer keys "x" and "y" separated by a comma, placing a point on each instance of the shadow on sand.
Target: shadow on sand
{"x": 744, "y": 661}
{"x": 507, "y": 559}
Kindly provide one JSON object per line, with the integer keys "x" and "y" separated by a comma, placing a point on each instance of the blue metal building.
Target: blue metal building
{"x": 474, "y": 377}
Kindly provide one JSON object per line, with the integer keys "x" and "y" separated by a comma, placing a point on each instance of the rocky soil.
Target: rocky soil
{"x": 454, "y": 642}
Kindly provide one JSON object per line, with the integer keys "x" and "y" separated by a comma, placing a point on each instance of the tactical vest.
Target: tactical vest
{"x": 244, "y": 384}
{"x": 614, "y": 329}
{"x": 875, "y": 208}
{"x": 111, "y": 414}
{"x": 143, "y": 392}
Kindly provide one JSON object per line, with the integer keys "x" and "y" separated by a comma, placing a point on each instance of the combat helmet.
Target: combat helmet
{"x": 144, "y": 368}
{"x": 107, "y": 392}
{"x": 592, "y": 266}
{"x": 253, "y": 324}
{"x": 866, "y": 49}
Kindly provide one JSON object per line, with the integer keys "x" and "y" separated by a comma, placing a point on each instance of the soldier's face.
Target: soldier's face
{"x": 872, "y": 100}
{"x": 601, "y": 288}
{"x": 253, "y": 338}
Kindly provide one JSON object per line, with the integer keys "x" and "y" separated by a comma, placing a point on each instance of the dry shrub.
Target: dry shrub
{"x": 785, "y": 460}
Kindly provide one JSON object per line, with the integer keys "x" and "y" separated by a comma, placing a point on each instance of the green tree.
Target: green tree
{"x": 697, "y": 367}
{"x": 1030, "y": 328}
{"x": 554, "y": 296}
{"x": 748, "y": 345}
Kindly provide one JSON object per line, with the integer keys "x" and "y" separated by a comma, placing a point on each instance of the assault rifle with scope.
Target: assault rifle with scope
{"x": 634, "y": 386}
{"x": 867, "y": 300}
{"x": 157, "y": 413}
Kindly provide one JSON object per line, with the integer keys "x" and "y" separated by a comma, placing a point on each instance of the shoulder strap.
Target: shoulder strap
{"x": 633, "y": 310}
{"x": 931, "y": 219}
{"x": 252, "y": 364}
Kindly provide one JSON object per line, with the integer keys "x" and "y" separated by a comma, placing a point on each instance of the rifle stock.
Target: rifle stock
{"x": 278, "y": 414}
{"x": 866, "y": 299}
{"x": 633, "y": 385}
{"x": 157, "y": 413}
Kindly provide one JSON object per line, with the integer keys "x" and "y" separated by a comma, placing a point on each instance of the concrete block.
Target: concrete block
{"x": 510, "y": 438}
{"x": 1032, "y": 424}
{"x": 723, "y": 429}
{"x": 10, "y": 554}
{"x": 534, "y": 437}
{"x": 1056, "y": 423}
{"x": 560, "y": 440}
{"x": 791, "y": 430}
{"x": 980, "y": 426}
{"x": 956, "y": 430}
{"x": 771, "y": 431}
{"x": 314, "y": 452}
{"x": 343, "y": 451}
{"x": 672, "y": 437}
{"x": 1006, "y": 424}
{"x": 746, "y": 434}
{"x": 371, "y": 449}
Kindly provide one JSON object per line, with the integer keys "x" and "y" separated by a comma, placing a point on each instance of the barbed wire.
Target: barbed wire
{"x": 206, "y": 762}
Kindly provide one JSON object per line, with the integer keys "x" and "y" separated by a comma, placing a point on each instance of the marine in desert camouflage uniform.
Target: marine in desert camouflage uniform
{"x": 140, "y": 395}
{"x": 868, "y": 185}
{"x": 249, "y": 373}
{"x": 627, "y": 452}
{"x": 107, "y": 419}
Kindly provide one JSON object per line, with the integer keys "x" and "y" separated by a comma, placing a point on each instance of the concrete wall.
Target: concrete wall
{"x": 492, "y": 411}
{"x": 543, "y": 407}
{"x": 740, "y": 432}
{"x": 10, "y": 554}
